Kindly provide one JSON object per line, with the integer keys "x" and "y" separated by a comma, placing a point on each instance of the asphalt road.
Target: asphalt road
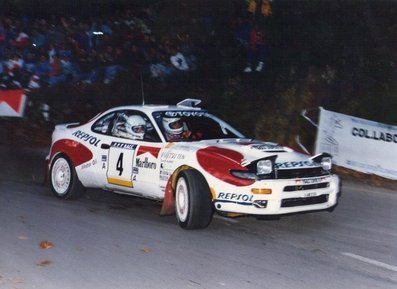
{"x": 104, "y": 240}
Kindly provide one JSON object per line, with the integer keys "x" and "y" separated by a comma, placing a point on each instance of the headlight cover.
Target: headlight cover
{"x": 326, "y": 163}
{"x": 264, "y": 167}
{"x": 258, "y": 170}
{"x": 324, "y": 159}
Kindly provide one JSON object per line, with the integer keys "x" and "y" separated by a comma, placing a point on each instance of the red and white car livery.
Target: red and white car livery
{"x": 192, "y": 161}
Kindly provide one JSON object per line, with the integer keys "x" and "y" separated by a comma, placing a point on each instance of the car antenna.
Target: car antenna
{"x": 142, "y": 91}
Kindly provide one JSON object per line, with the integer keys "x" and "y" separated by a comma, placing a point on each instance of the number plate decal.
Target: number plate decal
{"x": 120, "y": 162}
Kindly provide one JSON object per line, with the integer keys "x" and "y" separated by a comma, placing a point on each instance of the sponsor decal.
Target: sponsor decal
{"x": 86, "y": 166}
{"x": 145, "y": 163}
{"x": 185, "y": 113}
{"x": 86, "y": 137}
{"x": 310, "y": 181}
{"x": 300, "y": 164}
{"x": 146, "y": 149}
{"x": 266, "y": 146}
{"x": 235, "y": 197}
{"x": 173, "y": 156}
{"x": 374, "y": 135}
{"x": 104, "y": 159}
{"x": 165, "y": 175}
{"x": 123, "y": 145}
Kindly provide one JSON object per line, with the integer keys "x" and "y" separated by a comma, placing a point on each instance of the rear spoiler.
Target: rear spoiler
{"x": 189, "y": 102}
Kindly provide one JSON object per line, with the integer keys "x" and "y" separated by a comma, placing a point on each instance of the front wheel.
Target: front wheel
{"x": 193, "y": 200}
{"x": 64, "y": 181}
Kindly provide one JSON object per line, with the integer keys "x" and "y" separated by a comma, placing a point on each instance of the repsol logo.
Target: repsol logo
{"x": 375, "y": 135}
{"x": 86, "y": 137}
{"x": 235, "y": 197}
{"x": 145, "y": 164}
{"x": 300, "y": 164}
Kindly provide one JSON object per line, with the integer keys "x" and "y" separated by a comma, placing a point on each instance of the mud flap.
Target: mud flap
{"x": 168, "y": 207}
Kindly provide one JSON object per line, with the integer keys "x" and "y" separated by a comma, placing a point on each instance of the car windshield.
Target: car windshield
{"x": 186, "y": 125}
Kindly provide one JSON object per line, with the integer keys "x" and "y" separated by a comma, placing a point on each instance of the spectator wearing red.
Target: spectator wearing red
{"x": 256, "y": 46}
{"x": 56, "y": 75}
{"x": 21, "y": 41}
{"x": 14, "y": 64}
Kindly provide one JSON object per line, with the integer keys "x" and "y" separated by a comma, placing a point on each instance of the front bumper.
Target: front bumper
{"x": 286, "y": 197}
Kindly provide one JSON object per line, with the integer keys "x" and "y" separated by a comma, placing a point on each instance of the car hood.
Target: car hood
{"x": 246, "y": 151}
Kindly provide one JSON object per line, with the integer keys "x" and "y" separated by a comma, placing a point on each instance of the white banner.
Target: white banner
{"x": 358, "y": 144}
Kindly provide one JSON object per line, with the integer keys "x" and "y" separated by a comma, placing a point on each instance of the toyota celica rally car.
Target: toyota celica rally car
{"x": 190, "y": 160}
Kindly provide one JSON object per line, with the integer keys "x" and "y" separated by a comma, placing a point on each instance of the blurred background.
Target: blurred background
{"x": 77, "y": 58}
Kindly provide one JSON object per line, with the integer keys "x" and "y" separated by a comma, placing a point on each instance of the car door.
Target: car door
{"x": 131, "y": 165}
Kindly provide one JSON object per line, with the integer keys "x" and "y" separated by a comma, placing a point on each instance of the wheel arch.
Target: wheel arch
{"x": 74, "y": 151}
{"x": 168, "y": 206}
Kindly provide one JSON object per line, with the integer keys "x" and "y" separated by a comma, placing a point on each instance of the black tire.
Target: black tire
{"x": 194, "y": 209}
{"x": 63, "y": 179}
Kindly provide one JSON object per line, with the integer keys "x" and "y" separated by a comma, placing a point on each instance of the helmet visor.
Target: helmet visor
{"x": 138, "y": 129}
{"x": 176, "y": 124}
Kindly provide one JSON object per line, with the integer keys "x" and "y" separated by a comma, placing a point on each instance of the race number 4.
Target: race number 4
{"x": 120, "y": 165}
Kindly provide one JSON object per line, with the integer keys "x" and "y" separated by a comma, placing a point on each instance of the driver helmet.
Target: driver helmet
{"x": 136, "y": 126}
{"x": 173, "y": 126}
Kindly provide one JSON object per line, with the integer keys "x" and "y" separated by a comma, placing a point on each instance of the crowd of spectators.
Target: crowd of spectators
{"x": 37, "y": 52}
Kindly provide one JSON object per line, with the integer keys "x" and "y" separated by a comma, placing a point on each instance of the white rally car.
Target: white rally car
{"x": 190, "y": 160}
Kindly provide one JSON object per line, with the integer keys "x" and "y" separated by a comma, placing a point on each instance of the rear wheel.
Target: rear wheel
{"x": 193, "y": 200}
{"x": 64, "y": 181}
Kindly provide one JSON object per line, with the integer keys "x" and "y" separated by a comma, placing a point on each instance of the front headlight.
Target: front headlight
{"x": 258, "y": 170}
{"x": 326, "y": 163}
{"x": 324, "y": 159}
{"x": 264, "y": 167}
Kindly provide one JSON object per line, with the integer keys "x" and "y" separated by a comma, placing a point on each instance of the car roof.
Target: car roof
{"x": 149, "y": 108}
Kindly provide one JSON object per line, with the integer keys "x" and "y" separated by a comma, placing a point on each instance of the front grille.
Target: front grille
{"x": 295, "y": 202}
{"x": 301, "y": 173}
{"x": 306, "y": 187}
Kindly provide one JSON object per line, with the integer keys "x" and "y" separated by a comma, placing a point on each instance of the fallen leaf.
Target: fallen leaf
{"x": 46, "y": 245}
{"x": 44, "y": 263}
{"x": 145, "y": 250}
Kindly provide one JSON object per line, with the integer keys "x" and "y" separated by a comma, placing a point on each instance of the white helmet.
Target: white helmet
{"x": 173, "y": 125}
{"x": 136, "y": 126}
